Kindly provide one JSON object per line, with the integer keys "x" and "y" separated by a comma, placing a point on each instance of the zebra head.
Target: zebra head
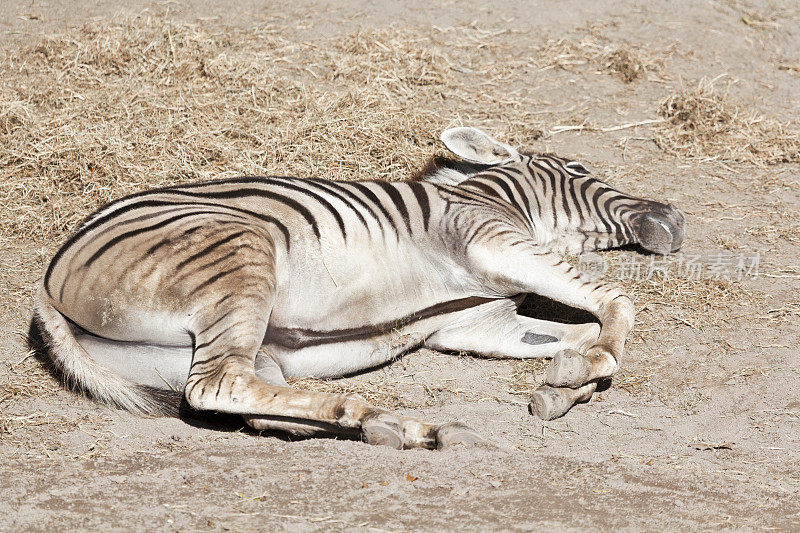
{"x": 560, "y": 198}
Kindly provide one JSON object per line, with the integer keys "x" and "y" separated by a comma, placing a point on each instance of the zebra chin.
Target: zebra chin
{"x": 659, "y": 229}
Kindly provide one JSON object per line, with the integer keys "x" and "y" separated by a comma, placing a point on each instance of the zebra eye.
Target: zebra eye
{"x": 576, "y": 168}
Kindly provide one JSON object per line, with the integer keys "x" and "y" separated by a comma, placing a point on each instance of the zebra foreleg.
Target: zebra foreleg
{"x": 601, "y": 360}
{"x": 530, "y": 269}
{"x": 495, "y": 329}
{"x": 549, "y": 402}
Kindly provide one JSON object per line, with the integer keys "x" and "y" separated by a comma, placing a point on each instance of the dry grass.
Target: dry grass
{"x": 112, "y": 108}
{"x": 698, "y": 299}
{"x": 627, "y": 62}
{"x": 42, "y": 434}
{"x": 630, "y": 64}
{"x": 25, "y": 378}
{"x": 381, "y": 394}
{"x": 88, "y": 117}
{"x": 760, "y": 21}
{"x": 568, "y": 53}
{"x": 762, "y": 17}
{"x": 772, "y": 233}
{"x": 704, "y": 122}
{"x": 399, "y": 61}
{"x": 16, "y": 429}
{"x": 21, "y": 380}
{"x": 789, "y": 66}
{"x": 701, "y": 296}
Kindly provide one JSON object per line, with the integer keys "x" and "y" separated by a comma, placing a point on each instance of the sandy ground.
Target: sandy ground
{"x": 699, "y": 431}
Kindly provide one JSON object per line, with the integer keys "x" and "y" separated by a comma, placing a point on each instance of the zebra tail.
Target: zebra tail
{"x": 82, "y": 374}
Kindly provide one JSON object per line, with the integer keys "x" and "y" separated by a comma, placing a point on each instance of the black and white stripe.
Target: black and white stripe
{"x": 334, "y": 276}
{"x": 545, "y": 195}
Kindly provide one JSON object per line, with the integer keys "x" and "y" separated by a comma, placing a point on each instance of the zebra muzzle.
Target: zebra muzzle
{"x": 660, "y": 230}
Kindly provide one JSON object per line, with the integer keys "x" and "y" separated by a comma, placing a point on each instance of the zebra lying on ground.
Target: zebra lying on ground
{"x": 222, "y": 289}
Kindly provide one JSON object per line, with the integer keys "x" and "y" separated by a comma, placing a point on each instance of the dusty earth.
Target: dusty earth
{"x": 699, "y": 430}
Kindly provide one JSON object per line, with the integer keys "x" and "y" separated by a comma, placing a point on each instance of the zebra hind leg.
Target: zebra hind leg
{"x": 383, "y": 428}
{"x": 237, "y": 389}
{"x": 377, "y": 428}
{"x": 268, "y": 370}
{"x": 224, "y": 378}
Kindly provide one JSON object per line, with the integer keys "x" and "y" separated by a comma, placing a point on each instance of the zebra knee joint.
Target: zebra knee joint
{"x": 568, "y": 369}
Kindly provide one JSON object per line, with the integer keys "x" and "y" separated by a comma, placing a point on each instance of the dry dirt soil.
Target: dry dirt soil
{"x": 691, "y": 102}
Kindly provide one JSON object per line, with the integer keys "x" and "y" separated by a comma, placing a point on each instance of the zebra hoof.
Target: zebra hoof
{"x": 568, "y": 369}
{"x": 454, "y": 433}
{"x": 382, "y": 430}
{"x": 549, "y": 403}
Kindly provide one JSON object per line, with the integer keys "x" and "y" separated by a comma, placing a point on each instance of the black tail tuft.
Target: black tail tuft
{"x": 168, "y": 402}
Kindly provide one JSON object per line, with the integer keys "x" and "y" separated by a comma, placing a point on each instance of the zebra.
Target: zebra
{"x": 213, "y": 293}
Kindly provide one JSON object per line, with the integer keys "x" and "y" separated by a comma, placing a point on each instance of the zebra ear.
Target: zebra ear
{"x": 476, "y": 146}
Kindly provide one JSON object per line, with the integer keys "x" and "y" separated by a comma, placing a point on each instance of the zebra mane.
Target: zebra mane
{"x": 447, "y": 171}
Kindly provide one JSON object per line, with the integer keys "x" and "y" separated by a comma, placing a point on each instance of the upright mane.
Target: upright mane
{"x": 447, "y": 170}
